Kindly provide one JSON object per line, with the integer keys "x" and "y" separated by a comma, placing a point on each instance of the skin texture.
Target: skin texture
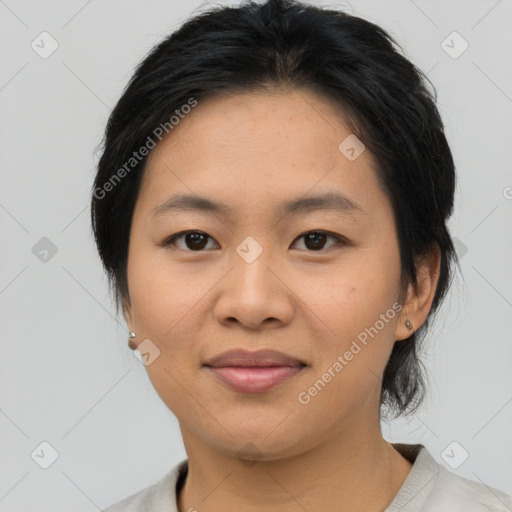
{"x": 253, "y": 151}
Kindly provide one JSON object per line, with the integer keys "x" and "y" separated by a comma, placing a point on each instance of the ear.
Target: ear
{"x": 127, "y": 312}
{"x": 419, "y": 299}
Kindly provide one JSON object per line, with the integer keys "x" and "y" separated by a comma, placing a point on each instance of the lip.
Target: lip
{"x": 254, "y": 372}
{"x": 259, "y": 358}
{"x": 254, "y": 380}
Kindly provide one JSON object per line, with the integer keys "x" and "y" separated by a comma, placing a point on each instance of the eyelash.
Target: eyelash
{"x": 170, "y": 241}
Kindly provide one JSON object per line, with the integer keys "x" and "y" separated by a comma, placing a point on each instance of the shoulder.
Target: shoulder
{"x": 139, "y": 501}
{"x": 430, "y": 487}
{"x": 454, "y": 493}
{"x": 154, "y": 498}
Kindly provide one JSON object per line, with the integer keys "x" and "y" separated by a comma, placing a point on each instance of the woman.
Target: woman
{"x": 271, "y": 208}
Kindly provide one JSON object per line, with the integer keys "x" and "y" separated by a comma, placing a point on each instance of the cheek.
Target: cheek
{"x": 163, "y": 293}
{"x": 168, "y": 310}
{"x": 361, "y": 312}
{"x": 352, "y": 295}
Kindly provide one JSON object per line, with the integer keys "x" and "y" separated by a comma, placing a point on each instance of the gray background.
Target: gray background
{"x": 67, "y": 376}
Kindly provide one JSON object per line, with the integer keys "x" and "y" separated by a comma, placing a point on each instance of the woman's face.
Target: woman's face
{"x": 255, "y": 280}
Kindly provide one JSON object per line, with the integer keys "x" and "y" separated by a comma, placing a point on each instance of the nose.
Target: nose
{"x": 254, "y": 295}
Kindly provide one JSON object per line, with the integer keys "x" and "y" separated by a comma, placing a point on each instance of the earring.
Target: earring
{"x": 409, "y": 325}
{"x": 130, "y": 341}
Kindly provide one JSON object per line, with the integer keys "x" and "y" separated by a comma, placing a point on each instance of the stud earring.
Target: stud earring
{"x": 130, "y": 341}
{"x": 409, "y": 325}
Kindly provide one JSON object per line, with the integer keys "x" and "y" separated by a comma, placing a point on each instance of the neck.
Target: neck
{"x": 343, "y": 473}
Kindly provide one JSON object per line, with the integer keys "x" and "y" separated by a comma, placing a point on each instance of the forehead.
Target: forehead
{"x": 258, "y": 147}
{"x": 234, "y": 124}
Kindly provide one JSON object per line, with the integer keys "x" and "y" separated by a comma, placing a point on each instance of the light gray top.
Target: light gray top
{"x": 429, "y": 487}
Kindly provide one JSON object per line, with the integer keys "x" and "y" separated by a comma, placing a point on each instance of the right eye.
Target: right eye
{"x": 194, "y": 240}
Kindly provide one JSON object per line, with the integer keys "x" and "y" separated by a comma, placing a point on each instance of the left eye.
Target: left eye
{"x": 315, "y": 240}
{"x": 196, "y": 240}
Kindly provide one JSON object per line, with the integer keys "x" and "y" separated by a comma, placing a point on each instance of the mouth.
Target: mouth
{"x": 254, "y": 379}
{"x": 254, "y": 372}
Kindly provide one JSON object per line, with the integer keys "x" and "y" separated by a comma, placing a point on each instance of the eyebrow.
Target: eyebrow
{"x": 328, "y": 201}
